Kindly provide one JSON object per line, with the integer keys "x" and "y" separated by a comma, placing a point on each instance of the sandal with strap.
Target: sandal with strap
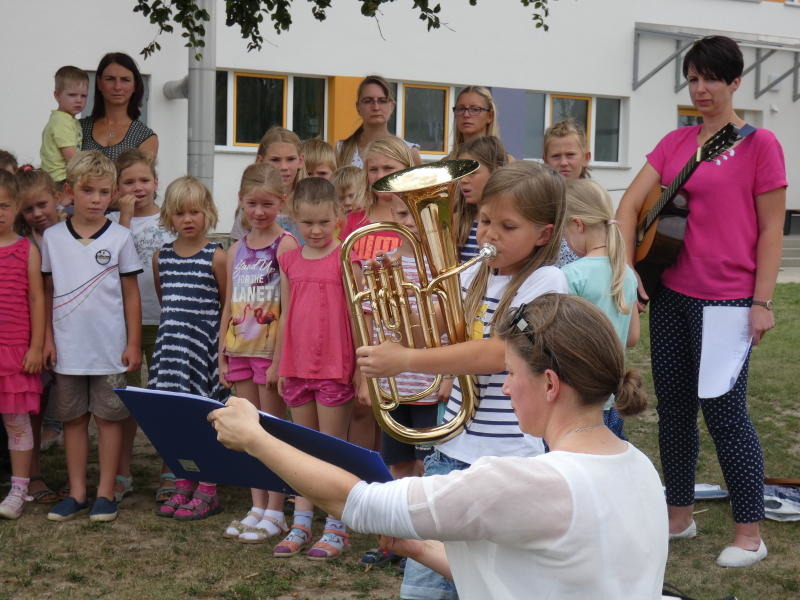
{"x": 236, "y": 528}
{"x": 325, "y": 550}
{"x": 253, "y": 534}
{"x": 125, "y": 487}
{"x": 199, "y": 507}
{"x": 297, "y": 540}
{"x": 43, "y": 496}
{"x": 167, "y": 487}
{"x": 178, "y": 499}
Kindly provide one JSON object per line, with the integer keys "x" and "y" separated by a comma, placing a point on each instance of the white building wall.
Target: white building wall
{"x": 588, "y": 50}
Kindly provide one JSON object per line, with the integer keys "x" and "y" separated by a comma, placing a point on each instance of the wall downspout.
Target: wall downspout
{"x": 199, "y": 86}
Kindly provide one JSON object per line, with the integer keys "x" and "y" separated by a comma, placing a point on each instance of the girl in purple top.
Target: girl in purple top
{"x": 730, "y": 257}
{"x": 316, "y": 347}
{"x": 248, "y": 356}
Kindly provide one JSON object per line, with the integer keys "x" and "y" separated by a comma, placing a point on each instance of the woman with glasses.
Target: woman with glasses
{"x": 475, "y": 116}
{"x": 588, "y": 519}
{"x": 375, "y": 104}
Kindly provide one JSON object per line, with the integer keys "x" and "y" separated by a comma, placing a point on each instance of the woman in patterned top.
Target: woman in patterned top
{"x": 114, "y": 124}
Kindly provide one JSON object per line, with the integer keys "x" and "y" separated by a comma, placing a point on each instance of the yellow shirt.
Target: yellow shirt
{"x": 61, "y": 131}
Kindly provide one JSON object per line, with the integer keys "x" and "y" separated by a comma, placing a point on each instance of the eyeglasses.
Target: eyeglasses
{"x": 519, "y": 323}
{"x": 367, "y": 101}
{"x": 472, "y": 111}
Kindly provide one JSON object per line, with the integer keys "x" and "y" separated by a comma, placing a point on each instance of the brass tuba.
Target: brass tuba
{"x": 425, "y": 191}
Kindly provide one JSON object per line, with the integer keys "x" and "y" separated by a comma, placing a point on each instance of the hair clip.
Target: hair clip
{"x": 518, "y": 321}
{"x": 26, "y": 168}
{"x": 612, "y": 222}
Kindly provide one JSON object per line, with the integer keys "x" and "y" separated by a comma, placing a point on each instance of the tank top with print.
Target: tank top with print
{"x": 255, "y": 301}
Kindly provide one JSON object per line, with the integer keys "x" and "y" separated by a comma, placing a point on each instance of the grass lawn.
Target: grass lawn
{"x": 142, "y": 556}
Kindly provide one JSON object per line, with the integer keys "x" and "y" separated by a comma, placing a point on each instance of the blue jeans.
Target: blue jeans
{"x": 420, "y": 582}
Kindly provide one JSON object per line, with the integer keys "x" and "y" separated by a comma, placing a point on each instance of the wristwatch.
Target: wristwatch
{"x": 766, "y": 304}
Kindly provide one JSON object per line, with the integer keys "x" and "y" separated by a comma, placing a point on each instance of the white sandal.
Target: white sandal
{"x": 236, "y": 528}
{"x": 259, "y": 535}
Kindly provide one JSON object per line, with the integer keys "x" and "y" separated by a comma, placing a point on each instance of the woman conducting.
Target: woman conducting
{"x": 730, "y": 257}
{"x": 114, "y": 124}
{"x": 587, "y": 519}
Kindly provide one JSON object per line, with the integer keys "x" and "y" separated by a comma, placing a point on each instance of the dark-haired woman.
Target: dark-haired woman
{"x": 375, "y": 104}
{"x": 730, "y": 257}
{"x": 586, "y": 520}
{"x": 114, "y": 123}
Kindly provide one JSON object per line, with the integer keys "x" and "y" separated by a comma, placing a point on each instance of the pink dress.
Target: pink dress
{"x": 317, "y": 340}
{"x": 19, "y": 392}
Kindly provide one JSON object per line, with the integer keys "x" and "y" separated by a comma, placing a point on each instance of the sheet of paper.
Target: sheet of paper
{"x": 726, "y": 341}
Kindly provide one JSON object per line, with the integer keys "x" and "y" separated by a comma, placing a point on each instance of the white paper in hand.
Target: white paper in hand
{"x": 726, "y": 342}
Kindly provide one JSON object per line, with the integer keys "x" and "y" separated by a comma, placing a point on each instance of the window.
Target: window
{"x": 606, "y": 130}
{"x": 570, "y": 107}
{"x": 247, "y": 104}
{"x": 87, "y": 110}
{"x": 259, "y": 102}
{"x": 688, "y": 116}
{"x": 534, "y": 124}
{"x": 425, "y": 117}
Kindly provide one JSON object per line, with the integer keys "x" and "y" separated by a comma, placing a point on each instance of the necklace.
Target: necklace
{"x": 578, "y": 430}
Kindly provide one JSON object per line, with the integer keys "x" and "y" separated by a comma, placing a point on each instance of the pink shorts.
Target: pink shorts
{"x": 298, "y": 391}
{"x": 248, "y": 367}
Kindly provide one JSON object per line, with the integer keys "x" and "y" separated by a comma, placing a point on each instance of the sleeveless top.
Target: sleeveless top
{"x": 185, "y": 354}
{"x": 15, "y": 321}
{"x": 255, "y": 301}
{"x": 137, "y": 133}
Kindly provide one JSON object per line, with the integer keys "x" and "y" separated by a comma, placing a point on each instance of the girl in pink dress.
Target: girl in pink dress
{"x": 316, "y": 347}
{"x": 21, "y": 344}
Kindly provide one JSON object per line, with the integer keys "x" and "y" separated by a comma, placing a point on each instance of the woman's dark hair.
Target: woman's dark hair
{"x": 574, "y": 338}
{"x": 134, "y": 104}
{"x": 715, "y": 56}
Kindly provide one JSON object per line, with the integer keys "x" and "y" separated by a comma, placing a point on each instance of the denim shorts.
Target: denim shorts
{"x": 420, "y": 582}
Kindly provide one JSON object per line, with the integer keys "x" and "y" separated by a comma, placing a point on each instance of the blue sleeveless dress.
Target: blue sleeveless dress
{"x": 185, "y": 355}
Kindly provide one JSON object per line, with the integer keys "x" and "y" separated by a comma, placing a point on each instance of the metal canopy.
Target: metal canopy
{"x": 765, "y": 46}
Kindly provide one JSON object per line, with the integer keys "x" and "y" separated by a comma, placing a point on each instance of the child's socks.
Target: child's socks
{"x": 204, "y": 503}
{"x": 271, "y": 524}
{"x": 303, "y": 518}
{"x": 181, "y": 496}
{"x": 253, "y": 517}
{"x": 333, "y": 542}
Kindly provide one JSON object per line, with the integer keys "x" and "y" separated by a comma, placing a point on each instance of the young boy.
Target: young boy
{"x": 349, "y": 184}
{"x": 90, "y": 266}
{"x": 62, "y": 136}
{"x": 319, "y": 158}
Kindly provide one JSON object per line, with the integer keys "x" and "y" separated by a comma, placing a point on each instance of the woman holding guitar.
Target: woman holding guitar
{"x": 730, "y": 257}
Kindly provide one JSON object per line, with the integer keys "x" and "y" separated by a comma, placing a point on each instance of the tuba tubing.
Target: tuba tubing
{"x": 425, "y": 190}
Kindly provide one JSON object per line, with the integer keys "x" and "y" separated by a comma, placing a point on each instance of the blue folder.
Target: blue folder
{"x": 178, "y": 428}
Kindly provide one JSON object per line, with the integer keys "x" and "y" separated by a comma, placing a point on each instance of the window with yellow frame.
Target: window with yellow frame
{"x": 688, "y": 116}
{"x": 579, "y": 108}
{"x": 425, "y": 119}
{"x": 259, "y": 102}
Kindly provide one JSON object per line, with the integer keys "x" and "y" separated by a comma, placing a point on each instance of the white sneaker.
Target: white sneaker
{"x": 687, "y": 534}
{"x": 14, "y": 504}
{"x": 733, "y": 556}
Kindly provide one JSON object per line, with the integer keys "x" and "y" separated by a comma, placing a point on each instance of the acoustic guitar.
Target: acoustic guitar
{"x": 662, "y": 217}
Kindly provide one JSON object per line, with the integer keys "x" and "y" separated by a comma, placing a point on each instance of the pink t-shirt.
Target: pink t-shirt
{"x": 718, "y": 258}
{"x": 317, "y": 341}
{"x": 369, "y": 245}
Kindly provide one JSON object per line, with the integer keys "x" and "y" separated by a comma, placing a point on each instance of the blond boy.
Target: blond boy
{"x": 319, "y": 158}
{"x": 62, "y": 136}
{"x": 94, "y": 335}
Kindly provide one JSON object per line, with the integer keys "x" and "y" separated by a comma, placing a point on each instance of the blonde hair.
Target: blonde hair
{"x": 490, "y": 152}
{"x": 590, "y": 202}
{"x": 134, "y": 156}
{"x": 571, "y": 336}
{"x": 392, "y": 147}
{"x": 185, "y": 193}
{"x": 563, "y": 129}
{"x": 29, "y": 179}
{"x": 69, "y": 74}
{"x": 349, "y": 145}
{"x": 318, "y": 152}
{"x": 492, "y": 129}
{"x": 90, "y": 165}
{"x": 259, "y": 176}
{"x": 538, "y": 195}
{"x": 350, "y": 177}
{"x": 315, "y": 191}
{"x": 281, "y": 135}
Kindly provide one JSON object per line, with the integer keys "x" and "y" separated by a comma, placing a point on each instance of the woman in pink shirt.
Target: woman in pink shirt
{"x": 730, "y": 257}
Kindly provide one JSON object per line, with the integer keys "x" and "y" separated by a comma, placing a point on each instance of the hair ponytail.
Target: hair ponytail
{"x": 590, "y": 202}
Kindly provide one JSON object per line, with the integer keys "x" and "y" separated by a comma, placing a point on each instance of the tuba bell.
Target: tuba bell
{"x": 425, "y": 191}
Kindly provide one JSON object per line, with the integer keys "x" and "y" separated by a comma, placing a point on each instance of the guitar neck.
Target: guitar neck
{"x": 676, "y": 184}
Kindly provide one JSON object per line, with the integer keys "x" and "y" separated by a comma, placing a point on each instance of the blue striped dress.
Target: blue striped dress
{"x": 185, "y": 356}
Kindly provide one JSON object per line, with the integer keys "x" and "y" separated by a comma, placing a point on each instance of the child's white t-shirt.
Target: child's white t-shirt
{"x": 494, "y": 431}
{"x": 148, "y": 237}
{"x": 88, "y": 313}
